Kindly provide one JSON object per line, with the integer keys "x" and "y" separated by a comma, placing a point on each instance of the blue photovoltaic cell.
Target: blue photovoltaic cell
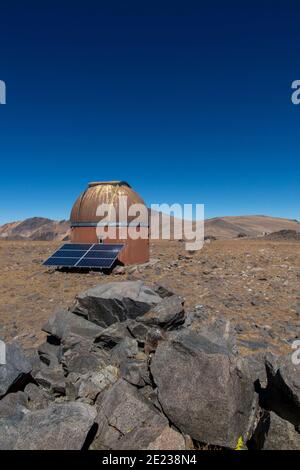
{"x": 84, "y": 255}
{"x": 76, "y": 246}
{"x": 95, "y": 263}
{"x": 101, "y": 254}
{"x": 106, "y": 247}
{"x": 61, "y": 261}
{"x": 68, "y": 254}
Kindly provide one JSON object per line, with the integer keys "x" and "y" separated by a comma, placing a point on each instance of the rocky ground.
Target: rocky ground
{"x": 252, "y": 283}
{"x": 127, "y": 367}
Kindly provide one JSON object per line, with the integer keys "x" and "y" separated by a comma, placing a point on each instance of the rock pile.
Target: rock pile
{"x": 127, "y": 368}
{"x": 283, "y": 235}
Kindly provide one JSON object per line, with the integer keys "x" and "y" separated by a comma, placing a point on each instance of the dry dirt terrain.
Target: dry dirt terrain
{"x": 253, "y": 283}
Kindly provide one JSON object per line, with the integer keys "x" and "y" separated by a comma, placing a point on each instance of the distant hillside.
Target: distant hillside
{"x": 249, "y": 225}
{"x": 40, "y": 228}
{"x": 36, "y": 228}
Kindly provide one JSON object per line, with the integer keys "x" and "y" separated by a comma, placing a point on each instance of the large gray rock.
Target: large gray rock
{"x": 49, "y": 352}
{"x": 113, "y": 335}
{"x": 150, "y": 394}
{"x": 202, "y": 389}
{"x": 58, "y": 427}
{"x": 153, "y": 438}
{"x": 138, "y": 330}
{"x": 81, "y": 356}
{"x": 65, "y": 323}
{"x": 82, "y": 361}
{"x": 116, "y": 302}
{"x": 13, "y": 404}
{"x": 217, "y": 329}
{"x": 136, "y": 371}
{"x": 38, "y": 397}
{"x": 162, "y": 290}
{"x": 16, "y": 370}
{"x": 76, "y": 344}
{"x": 88, "y": 387}
{"x": 51, "y": 379}
{"x": 168, "y": 314}
{"x": 125, "y": 417}
{"x": 126, "y": 349}
{"x": 280, "y": 435}
{"x": 282, "y": 393}
{"x": 257, "y": 369}
{"x": 274, "y": 433}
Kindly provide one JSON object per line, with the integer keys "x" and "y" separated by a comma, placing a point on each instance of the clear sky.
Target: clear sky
{"x": 188, "y": 102}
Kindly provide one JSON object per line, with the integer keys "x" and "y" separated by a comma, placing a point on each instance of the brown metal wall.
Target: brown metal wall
{"x": 134, "y": 252}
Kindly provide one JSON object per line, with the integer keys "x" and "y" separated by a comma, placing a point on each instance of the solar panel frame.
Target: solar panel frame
{"x": 86, "y": 255}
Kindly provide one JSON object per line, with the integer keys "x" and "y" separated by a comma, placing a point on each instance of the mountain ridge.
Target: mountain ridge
{"x": 226, "y": 227}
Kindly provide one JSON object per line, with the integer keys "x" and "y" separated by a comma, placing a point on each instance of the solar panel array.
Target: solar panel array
{"x": 85, "y": 255}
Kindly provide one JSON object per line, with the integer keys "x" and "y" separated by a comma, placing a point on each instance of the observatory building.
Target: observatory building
{"x": 103, "y": 214}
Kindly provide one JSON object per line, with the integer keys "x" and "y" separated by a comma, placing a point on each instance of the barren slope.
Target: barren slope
{"x": 250, "y": 225}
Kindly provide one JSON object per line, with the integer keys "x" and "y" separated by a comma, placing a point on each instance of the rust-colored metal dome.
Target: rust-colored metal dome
{"x": 88, "y": 227}
{"x": 84, "y": 211}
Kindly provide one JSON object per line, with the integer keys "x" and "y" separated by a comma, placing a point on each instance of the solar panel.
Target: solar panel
{"x": 104, "y": 247}
{"x": 99, "y": 254}
{"x": 61, "y": 261}
{"x": 76, "y": 246}
{"x": 68, "y": 254}
{"x": 95, "y": 263}
{"x": 84, "y": 255}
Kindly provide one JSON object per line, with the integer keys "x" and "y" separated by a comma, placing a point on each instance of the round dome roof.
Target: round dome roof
{"x": 84, "y": 210}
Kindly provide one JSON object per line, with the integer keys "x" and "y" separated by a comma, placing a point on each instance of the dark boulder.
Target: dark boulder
{"x": 124, "y": 419}
{"x": 113, "y": 335}
{"x": 202, "y": 389}
{"x": 217, "y": 329}
{"x": 51, "y": 379}
{"x": 80, "y": 355}
{"x": 50, "y": 352}
{"x": 168, "y": 314}
{"x": 125, "y": 350}
{"x": 138, "y": 330}
{"x": 136, "y": 371}
{"x": 38, "y": 397}
{"x": 280, "y": 434}
{"x": 115, "y": 302}
{"x": 89, "y": 386}
{"x": 15, "y": 372}
{"x": 58, "y": 427}
{"x": 13, "y": 404}
{"x": 162, "y": 290}
{"x": 282, "y": 393}
{"x": 274, "y": 433}
{"x": 82, "y": 361}
{"x": 153, "y": 437}
{"x": 65, "y": 323}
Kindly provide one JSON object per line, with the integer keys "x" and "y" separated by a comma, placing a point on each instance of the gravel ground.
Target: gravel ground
{"x": 253, "y": 283}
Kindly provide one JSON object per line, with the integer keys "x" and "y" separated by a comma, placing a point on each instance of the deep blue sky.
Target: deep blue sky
{"x": 187, "y": 103}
